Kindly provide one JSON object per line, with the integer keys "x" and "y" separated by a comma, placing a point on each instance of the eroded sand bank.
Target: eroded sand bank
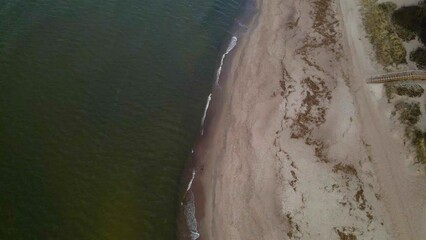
{"x": 299, "y": 148}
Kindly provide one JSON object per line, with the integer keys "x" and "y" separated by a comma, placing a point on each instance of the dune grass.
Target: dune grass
{"x": 382, "y": 33}
{"x": 409, "y": 115}
{"x": 409, "y": 90}
{"x": 418, "y": 139}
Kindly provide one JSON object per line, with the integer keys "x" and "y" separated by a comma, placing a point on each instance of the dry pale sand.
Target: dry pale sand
{"x": 301, "y": 146}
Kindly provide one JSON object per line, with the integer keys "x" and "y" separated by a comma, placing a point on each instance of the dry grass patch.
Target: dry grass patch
{"x": 382, "y": 33}
{"x": 409, "y": 113}
{"x": 408, "y": 90}
{"x": 345, "y": 168}
{"x": 418, "y": 139}
{"x": 346, "y": 233}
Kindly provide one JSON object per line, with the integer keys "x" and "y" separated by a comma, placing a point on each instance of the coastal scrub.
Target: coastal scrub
{"x": 410, "y": 21}
{"x": 419, "y": 140}
{"x": 419, "y": 57}
{"x": 413, "y": 19}
{"x": 409, "y": 90}
{"x": 409, "y": 115}
{"x": 381, "y": 32}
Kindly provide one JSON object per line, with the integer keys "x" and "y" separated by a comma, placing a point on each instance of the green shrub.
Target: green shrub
{"x": 409, "y": 113}
{"x": 403, "y": 33}
{"x": 419, "y": 57}
{"x": 409, "y": 90}
{"x": 413, "y": 19}
{"x": 418, "y": 139}
{"x": 389, "y": 91}
{"x": 381, "y": 33}
{"x": 387, "y": 7}
{"x": 412, "y": 90}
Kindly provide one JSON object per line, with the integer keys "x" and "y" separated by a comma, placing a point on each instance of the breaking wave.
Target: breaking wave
{"x": 190, "y": 216}
{"x": 190, "y": 182}
{"x": 189, "y": 208}
{"x": 231, "y": 46}
{"x": 209, "y": 98}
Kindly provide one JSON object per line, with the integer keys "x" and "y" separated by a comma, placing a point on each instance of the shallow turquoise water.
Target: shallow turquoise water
{"x": 101, "y": 102}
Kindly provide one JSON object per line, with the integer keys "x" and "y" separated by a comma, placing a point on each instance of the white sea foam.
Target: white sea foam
{"x": 245, "y": 27}
{"x": 231, "y": 46}
{"x": 190, "y": 216}
{"x": 190, "y": 182}
{"x": 189, "y": 209}
{"x": 205, "y": 113}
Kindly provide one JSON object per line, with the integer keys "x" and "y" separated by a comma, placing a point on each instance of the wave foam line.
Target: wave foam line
{"x": 190, "y": 182}
{"x": 209, "y": 98}
{"x": 189, "y": 185}
{"x": 190, "y": 217}
{"x": 231, "y": 46}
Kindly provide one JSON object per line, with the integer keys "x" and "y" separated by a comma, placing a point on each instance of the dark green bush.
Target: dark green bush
{"x": 418, "y": 139}
{"x": 409, "y": 90}
{"x": 419, "y": 57}
{"x": 389, "y": 8}
{"x": 413, "y": 19}
{"x": 403, "y": 33}
{"x": 409, "y": 113}
{"x": 412, "y": 90}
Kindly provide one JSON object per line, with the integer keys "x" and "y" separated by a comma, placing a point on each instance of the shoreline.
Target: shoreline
{"x": 213, "y": 106}
{"x": 296, "y": 144}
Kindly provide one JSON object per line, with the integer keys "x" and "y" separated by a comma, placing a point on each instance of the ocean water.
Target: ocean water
{"x": 101, "y": 102}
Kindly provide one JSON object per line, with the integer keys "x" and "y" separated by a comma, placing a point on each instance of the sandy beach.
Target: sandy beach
{"x": 299, "y": 146}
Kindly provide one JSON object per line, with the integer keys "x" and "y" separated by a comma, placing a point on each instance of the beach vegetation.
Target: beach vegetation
{"x": 403, "y": 33}
{"x": 409, "y": 113}
{"x": 418, "y": 139}
{"x": 389, "y": 91}
{"x": 408, "y": 90}
{"x": 419, "y": 57}
{"x": 346, "y": 233}
{"x": 381, "y": 32}
{"x": 389, "y": 8}
{"x": 413, "y": 19}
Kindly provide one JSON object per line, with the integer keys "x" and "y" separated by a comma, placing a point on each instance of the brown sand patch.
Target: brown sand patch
{"x": 346, "y": 233}
{"x": 345, "y": 168}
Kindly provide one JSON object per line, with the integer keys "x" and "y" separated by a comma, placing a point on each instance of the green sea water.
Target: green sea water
{"x": 101, "y": 103}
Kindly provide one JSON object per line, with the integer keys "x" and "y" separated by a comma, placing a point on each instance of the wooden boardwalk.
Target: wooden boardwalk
{"x": 413, "y": 75}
